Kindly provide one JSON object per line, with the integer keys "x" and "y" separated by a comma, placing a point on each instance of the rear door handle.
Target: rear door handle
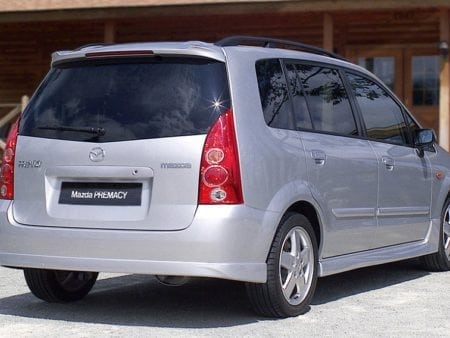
{"x": 388, "y": 162}
{"x": 319, "y": 157}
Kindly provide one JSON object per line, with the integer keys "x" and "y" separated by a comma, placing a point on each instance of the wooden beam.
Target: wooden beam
{"x": 58, "y": 5}
{"x": 328, "y": 32}
{"x": 444, "y": 91}
{"x": 123, "y": 9}
{"x": 110, "y": 32}
{"x": 24, "y": 102}
{"x": 10, "y": 116}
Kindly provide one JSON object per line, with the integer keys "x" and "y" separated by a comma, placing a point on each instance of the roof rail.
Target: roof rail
{"x": 272, "y": 42}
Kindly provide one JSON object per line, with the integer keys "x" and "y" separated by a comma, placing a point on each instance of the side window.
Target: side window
{"x": 274, "y": 94}
{"x": 381, "y": 114}
{"x": 302, "y": 117}
{"x": 328, "y": 101}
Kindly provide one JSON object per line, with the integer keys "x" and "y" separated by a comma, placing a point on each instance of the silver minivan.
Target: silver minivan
{"x": 253, "y": 159}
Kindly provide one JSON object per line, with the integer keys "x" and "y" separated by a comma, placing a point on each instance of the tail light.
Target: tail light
{"x": 7, "y": 167}
{"x": 220, "y": 179}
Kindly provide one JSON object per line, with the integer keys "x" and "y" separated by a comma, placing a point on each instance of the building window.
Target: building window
{"x": 381, "y": 66}
{"x": 425, "y": 77}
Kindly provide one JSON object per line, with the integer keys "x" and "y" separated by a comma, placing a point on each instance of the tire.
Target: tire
{"x": 292, "y": 266}
{"x": 440, "y": 261}
{"x": 55, "y": 286}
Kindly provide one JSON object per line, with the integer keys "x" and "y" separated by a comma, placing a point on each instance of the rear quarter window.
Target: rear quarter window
{"x": 273, "y": 91}
{"x": 129, "y": 99}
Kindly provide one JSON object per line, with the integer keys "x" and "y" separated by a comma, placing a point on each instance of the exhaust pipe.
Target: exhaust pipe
{"x": 172, "y": 280}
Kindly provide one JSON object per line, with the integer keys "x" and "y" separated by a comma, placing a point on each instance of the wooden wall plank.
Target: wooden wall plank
{"x": 444, "y": 94}
{"x": 328, "y": 32}
{"x": 61, "y": 10}
{"x": 25, "y": 48}
{"x": 110, "y": 32}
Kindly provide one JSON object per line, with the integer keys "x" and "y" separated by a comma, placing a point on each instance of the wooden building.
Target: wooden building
{"x": 405, "y": 42}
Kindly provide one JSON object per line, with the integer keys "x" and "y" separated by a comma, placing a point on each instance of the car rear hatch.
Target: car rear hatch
{"x": 116, "y": 142}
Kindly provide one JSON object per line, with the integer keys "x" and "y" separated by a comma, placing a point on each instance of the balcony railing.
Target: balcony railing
{"x": 12, "y": 112}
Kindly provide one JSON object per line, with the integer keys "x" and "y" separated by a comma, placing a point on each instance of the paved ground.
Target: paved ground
{"x": 395, "y": 300}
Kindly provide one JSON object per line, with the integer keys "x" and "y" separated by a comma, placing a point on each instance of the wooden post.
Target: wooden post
{"x": 444, "y": 77}
{"x": 110, "y": 32}
{"x": 24, "y": 102}
{"x": 328, "y": 32}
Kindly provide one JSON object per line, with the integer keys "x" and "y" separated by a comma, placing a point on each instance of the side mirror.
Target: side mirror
{"x": 424, "y": 140}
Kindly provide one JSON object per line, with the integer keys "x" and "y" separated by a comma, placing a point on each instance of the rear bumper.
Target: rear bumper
{"x": 229, "y": 242}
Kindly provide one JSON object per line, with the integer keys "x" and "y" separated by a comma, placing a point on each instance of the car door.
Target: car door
{"x": 342, "y": 167}
{"x": 404, "y": 175}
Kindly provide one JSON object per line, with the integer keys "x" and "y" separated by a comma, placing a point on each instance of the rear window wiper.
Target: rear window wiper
{"x": 89, "y": 130}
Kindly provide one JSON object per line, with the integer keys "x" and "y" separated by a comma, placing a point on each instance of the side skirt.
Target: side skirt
{"x": 333, "y": 265}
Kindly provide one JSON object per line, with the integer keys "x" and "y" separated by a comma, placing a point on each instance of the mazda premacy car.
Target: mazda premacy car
{"x": 252, "y": 159}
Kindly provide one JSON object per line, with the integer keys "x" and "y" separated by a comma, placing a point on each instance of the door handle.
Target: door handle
{"x": 388, "y": 162}
{"x": 319, "y": 157}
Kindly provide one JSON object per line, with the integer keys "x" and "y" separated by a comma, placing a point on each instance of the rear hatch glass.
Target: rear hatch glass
{"x": 132, "y": 99}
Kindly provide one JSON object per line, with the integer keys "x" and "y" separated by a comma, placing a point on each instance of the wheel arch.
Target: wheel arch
{"x": 294, "y": 196}
{"x": 309, "y": 211}
{"x": 439, "y": 198}
{"x": 447, "y": 197}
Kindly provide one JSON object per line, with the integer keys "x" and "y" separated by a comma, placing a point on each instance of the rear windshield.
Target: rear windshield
{"x": 110, "y": 100}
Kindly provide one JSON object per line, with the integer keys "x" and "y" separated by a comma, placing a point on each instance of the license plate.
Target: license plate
{"x": 88, "y": 193}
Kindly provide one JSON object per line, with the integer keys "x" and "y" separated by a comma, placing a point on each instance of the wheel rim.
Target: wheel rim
{"x": 73, "y": 280}
{"x": 446, "y": 233}
{"x": 296, "y": 265}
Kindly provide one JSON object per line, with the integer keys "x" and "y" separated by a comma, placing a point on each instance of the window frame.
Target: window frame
{"x": 356, "y": 116}
{"x": 355, "y": 109}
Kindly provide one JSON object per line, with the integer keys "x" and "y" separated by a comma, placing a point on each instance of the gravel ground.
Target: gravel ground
{"x": 394, "y": 300}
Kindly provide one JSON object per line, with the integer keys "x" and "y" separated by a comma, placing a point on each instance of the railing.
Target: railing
{"x": 9, "y": 117}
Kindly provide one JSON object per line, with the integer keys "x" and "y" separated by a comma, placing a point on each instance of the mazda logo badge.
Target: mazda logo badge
{"x": 97, "y": 154}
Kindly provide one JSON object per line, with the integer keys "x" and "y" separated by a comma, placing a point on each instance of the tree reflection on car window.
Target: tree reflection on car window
{"x": 382, "y": 116}
{"x": 327, "y": 99}
{"x": 274, "y": 94}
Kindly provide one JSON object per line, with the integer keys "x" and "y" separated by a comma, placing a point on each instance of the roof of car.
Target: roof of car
{"x": 256, "y": 46}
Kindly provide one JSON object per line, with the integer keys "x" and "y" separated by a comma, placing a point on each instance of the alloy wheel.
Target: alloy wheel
{"x": 296, "y": 265}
